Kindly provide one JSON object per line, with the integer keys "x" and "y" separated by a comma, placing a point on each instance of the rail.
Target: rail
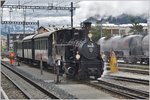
{"x": 121, "y": 90}
{"x": 32, "y": 82}
{"x": 135, "y": 80}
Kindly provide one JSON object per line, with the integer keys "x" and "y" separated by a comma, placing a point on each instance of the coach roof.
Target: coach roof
{"x": 28, "y": 37}
{"x": 47, "y": 34}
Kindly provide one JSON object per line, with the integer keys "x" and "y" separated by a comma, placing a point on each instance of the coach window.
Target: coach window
{"x": 34, "y": 45}
{"x": 46, "y": 44}
{"x": 42, "y": 45}
{"x": 30, "y": 45}
{"x": 27, "y": 45}
{"x": 24, "y": 45}
{"x": 37, "y": 44}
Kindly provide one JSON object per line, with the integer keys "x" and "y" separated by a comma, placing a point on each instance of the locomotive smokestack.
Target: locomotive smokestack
{"x": 87, "y": 27}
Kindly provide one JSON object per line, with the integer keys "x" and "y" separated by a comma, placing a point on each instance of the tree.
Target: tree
{"x": 135, "y": 28}
{"x": 96, "y": 31}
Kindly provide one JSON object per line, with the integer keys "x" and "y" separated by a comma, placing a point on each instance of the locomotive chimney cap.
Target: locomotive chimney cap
{"x": 86, "y": 24}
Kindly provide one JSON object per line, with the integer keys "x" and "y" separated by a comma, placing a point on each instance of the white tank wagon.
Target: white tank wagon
{"x": 104, "y": 44}
{"x": 113, "y": 43}
{"x": 145, "y": 48}
{"x": 131, "y": 45}
{"x": 145, "y": 45}
{"x": 128, "y": 47}
{"x": 132, "y": 48}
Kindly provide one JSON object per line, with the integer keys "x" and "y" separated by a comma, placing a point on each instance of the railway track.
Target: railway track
{"x": 118, "y": 89}
{"x": 140, "y": 81}
{"x": 144, "y": 67}
{"x": 134, "y": 66}
{"x": 132, "y": 70}
{"x": 139, "y": 71}
{"x": 28, "y": 88}
{"x": 40, "y": 88}
{"x": 15, "y": 84}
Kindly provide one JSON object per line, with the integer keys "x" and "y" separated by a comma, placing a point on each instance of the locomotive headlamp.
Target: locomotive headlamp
{"x": 90, "y": 35}
{"x": 77, "y": 56}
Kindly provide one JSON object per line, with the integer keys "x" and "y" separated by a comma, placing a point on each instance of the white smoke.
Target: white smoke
{"x": 111, "y": 8}
{"x": 101, "y": 9}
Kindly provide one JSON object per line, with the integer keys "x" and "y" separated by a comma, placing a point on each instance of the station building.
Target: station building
{"x": 122, "y": 29}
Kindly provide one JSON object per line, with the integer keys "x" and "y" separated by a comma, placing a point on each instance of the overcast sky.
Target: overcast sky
{"x": 86, "y": 9}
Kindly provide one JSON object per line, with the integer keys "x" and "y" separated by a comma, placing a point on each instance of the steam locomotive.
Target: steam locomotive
{"x": 130, "y": 48}
{"x": 71, "y": 49}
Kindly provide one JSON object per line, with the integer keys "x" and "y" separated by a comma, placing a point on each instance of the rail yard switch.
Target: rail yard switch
{"x": 113, "y": 63}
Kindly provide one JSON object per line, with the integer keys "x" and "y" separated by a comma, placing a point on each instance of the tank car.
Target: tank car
{"x": 128, "y": 47}
{"x": 132, "y": 48}
{"x": 145, "y": 48}
{"x": 111, "y": 44}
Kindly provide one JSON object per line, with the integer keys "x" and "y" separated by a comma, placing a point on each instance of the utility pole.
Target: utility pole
{"x": 101, "y": 28}
{"x": 148, "y": 23}
{"x": 71, "y": 14}
{"x": 9, "y": 31}
{"x": 24, "y": 14}
{"x": 2, "y": 2}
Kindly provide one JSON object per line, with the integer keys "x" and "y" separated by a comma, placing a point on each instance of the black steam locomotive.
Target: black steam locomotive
{"x": 72, "y": 49}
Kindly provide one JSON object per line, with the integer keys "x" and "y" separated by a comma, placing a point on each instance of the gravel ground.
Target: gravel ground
{"x": 11, "y": 90}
